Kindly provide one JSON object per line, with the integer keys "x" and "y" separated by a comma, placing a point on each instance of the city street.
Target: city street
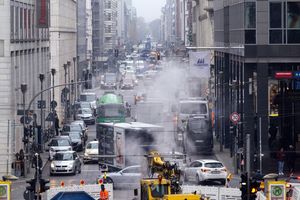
{"x": 162, "y": 88}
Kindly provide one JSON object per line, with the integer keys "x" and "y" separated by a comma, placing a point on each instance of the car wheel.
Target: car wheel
{"x": 79, "y": 170}
{"x": 198, "y": 180}
{"x": 74, "y": 173}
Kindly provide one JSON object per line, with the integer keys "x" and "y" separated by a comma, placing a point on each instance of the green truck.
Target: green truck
{"x": 110, "y": 108}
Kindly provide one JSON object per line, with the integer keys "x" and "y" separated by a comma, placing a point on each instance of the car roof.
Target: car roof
{"x": 208, "y": 161}
{"x": 63, "y": 152}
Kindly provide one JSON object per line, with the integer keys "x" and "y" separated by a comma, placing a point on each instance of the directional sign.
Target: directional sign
{"x": 27, "y": 120}
{"x": 277, "y": 190}
{"x": 41, "y": 104}
{"x": 235, "y": 117}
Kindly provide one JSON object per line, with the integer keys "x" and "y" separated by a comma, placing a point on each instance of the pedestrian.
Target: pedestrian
{"x": 280, "y": 160}
{"x": 56, "y": 124}
{"x": 103, "y": 193}
{"x": 291, "y": 158}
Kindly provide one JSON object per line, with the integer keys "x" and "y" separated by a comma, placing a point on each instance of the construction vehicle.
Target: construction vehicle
{"x": 160, "y": 189}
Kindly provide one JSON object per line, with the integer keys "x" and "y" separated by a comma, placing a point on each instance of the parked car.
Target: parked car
{"x": 59, "y": 144}
{"x": 128, "y": 177}
{"x": 76, "y": 140}
{"x": 91, "y": 152}
{"x": 67, "y": 162}
{"x": 200, "y": 171}
{"x": 86, "y": 115}
{"x": 127, "y": 83}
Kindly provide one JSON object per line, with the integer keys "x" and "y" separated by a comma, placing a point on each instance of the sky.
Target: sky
{"x": 149, "y": 9}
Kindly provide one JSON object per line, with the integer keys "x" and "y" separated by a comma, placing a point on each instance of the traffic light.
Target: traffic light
{"x": 31, "y": 186}
{"x": 254, "y": 187}
{"x": 243, "y": 185}
{"x": 43, "y": 185}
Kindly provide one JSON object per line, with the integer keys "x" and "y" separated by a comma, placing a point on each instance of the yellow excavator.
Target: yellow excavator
{"x": 166, "y": 185}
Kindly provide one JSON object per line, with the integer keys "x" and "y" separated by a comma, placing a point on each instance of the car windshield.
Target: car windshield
{"x": 60, "y": 142}
{"x": 195, "y": 125}
{"x": 74, "y": 136}
{"x": 85, "y": 105}
{"x": 193, "y": 108}
{"x": 92, "y": 146}
{"x": 112, "y": 110}
{"x": 159, "y": 191}
{"x": 88, "y": 97}
{"x": 63, "y": 156}
{"x": 213, "y": 165}
{"x": 85, "y": 111}
{"x": 73, "y": 127}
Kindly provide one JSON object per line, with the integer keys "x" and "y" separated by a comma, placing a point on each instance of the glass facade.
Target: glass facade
{"x": 250, "y": 22}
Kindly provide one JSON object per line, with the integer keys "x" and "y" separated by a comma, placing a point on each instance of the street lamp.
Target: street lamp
{"x": 64, "y": 93}
{"x": 42, "y": 77}
{"x": 74, "y": 78}
{"x": 53, "y": 72}
{"x": 69, "y": 79}
{"x": 23, "y": 90}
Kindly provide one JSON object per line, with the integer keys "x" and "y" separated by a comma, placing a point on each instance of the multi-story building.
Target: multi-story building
{"x": 82, "y": 64}
{"x": 104, "y": 30}
{"x": 24, "y": 54}
{"x": 89, "y": 34}
{"x": 63, "y": 36}
{"x": 257, "y": 40}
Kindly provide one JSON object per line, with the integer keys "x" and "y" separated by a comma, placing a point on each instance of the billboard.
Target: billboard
{"x": 200, "y": 63}
{"x": 42, "y": 13}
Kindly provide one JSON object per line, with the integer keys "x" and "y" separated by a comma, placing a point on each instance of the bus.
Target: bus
{"x": 110, "y": 108}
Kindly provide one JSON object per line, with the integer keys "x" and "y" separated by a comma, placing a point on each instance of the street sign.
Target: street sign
{"x": 41, "y": 104}
{"x": 50, "y": 117}
{"x": 65, "y": 90}
{"x": 235, "y": 117}
{"x": 53, "y": 104}
{"x": 27, "y": 120}
{"x": 276, "y": 190}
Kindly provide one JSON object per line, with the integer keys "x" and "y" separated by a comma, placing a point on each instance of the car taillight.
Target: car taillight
{"x": 205, "y": 170}
{"x": 224, "y": 170}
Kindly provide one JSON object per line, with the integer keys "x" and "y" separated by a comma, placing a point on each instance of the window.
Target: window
{"x": 250, "y": 22}
{"x": 1, "y": 48}
{"x": 284, "y": 23}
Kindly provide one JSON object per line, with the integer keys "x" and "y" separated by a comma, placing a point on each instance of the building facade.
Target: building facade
{"x": 24, "y": 54}
{"x": 63, "y": 37}
{"x": 82, "y": 62}
{"x": 257, "y": 39}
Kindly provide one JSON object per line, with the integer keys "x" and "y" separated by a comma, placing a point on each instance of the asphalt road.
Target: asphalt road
{"x": 165, "y": 86}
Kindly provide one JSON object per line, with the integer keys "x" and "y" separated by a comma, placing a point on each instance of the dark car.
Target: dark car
{"x": 74, "y": 128}
{"x": 76, "y": 140}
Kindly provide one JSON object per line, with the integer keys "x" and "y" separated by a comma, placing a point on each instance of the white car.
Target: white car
{"x": 200, "y": 171}
{"x": 91, "y": 152}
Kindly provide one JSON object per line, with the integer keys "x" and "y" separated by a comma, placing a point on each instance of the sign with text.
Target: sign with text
{"x": 42, "y": 13}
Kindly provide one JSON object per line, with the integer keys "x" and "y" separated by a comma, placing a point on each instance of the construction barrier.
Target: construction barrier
{"x": 214, "y": 193}
{"x": 296, "y": 193}
{"x": 92, "y": 189}
{"x": 261, "y": 196}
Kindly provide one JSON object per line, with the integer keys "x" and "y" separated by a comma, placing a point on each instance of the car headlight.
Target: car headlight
{"x": 70, "y": 165}
{"x": 51, "y": 149}
{"x": 86, "y": 154}
{"x": 52, "y": 165}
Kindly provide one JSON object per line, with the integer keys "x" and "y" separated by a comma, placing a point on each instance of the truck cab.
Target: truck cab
{"x": 156, "y": 188}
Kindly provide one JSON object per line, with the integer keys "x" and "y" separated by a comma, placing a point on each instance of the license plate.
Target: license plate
{"x": 215, "y": 172}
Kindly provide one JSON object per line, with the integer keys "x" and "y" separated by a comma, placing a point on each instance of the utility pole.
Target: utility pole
{"x": 69, "y": 87}
{"x": 64, "y": 94}
{"x": 248, "y": 168}
{"x": 42, "y": 77}
{"x": 74, "y": 79}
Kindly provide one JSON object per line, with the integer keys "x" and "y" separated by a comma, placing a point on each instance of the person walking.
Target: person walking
{"x": 103, "y": 193}
{"x": 291, "y": 158}
{"x": 280, "y": 160}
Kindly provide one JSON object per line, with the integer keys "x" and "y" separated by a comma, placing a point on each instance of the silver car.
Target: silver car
{"x": 67, "y": 162}
{"x": 128, "y": 177}
{"x": 86, "y": 115}
{"x": 59, "y": 144}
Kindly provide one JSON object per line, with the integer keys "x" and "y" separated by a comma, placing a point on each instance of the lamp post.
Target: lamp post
{"x": 42, "y": 77}
{"x": 53, "y": 72}
{"x": 69, "y": 87}
{"x": 64, "y": 93}
{"x": 74, "y": 78}
{"x": 25, "y": 137}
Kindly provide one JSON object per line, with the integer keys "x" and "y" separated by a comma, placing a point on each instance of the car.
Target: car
{"x": 76, "y": 140}
{"x": 129, "y": 177}
{"x": 87, "y": 115}
{"x": 109, "y": 81}
{"x": 127, "y": 83}
{"x": 75, "y": 127}
{"x": 201, "y": 171}
{"x": 91, "y": 152}
{"x": 83, "y": 125}
{"x": 89, "y": 97}
{"x": 177, "y": 158}
{"x": 59, "y": 144}
{"x": 67, "y": 162}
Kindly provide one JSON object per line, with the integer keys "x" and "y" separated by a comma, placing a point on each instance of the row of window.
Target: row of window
{"x": 284, "y": 22}
{"x": 22, "y": 23}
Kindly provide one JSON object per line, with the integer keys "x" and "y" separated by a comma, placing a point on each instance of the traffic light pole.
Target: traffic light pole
{"x": 37, "y": 184}
{"x": 248, "y": 168}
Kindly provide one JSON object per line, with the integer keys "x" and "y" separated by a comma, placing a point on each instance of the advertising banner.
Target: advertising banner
{"x": 200, "y": 63}
{"x": 42, "y": 13}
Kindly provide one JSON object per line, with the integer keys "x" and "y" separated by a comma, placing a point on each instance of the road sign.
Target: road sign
{"x": 50, "y": 117}
{"x": 65, "y": 90}
{"x": 27, "y": 120}
{"x": 41, "y": 104}
{"x": 276, "y": 190}
{"x": 235, "y": 117}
